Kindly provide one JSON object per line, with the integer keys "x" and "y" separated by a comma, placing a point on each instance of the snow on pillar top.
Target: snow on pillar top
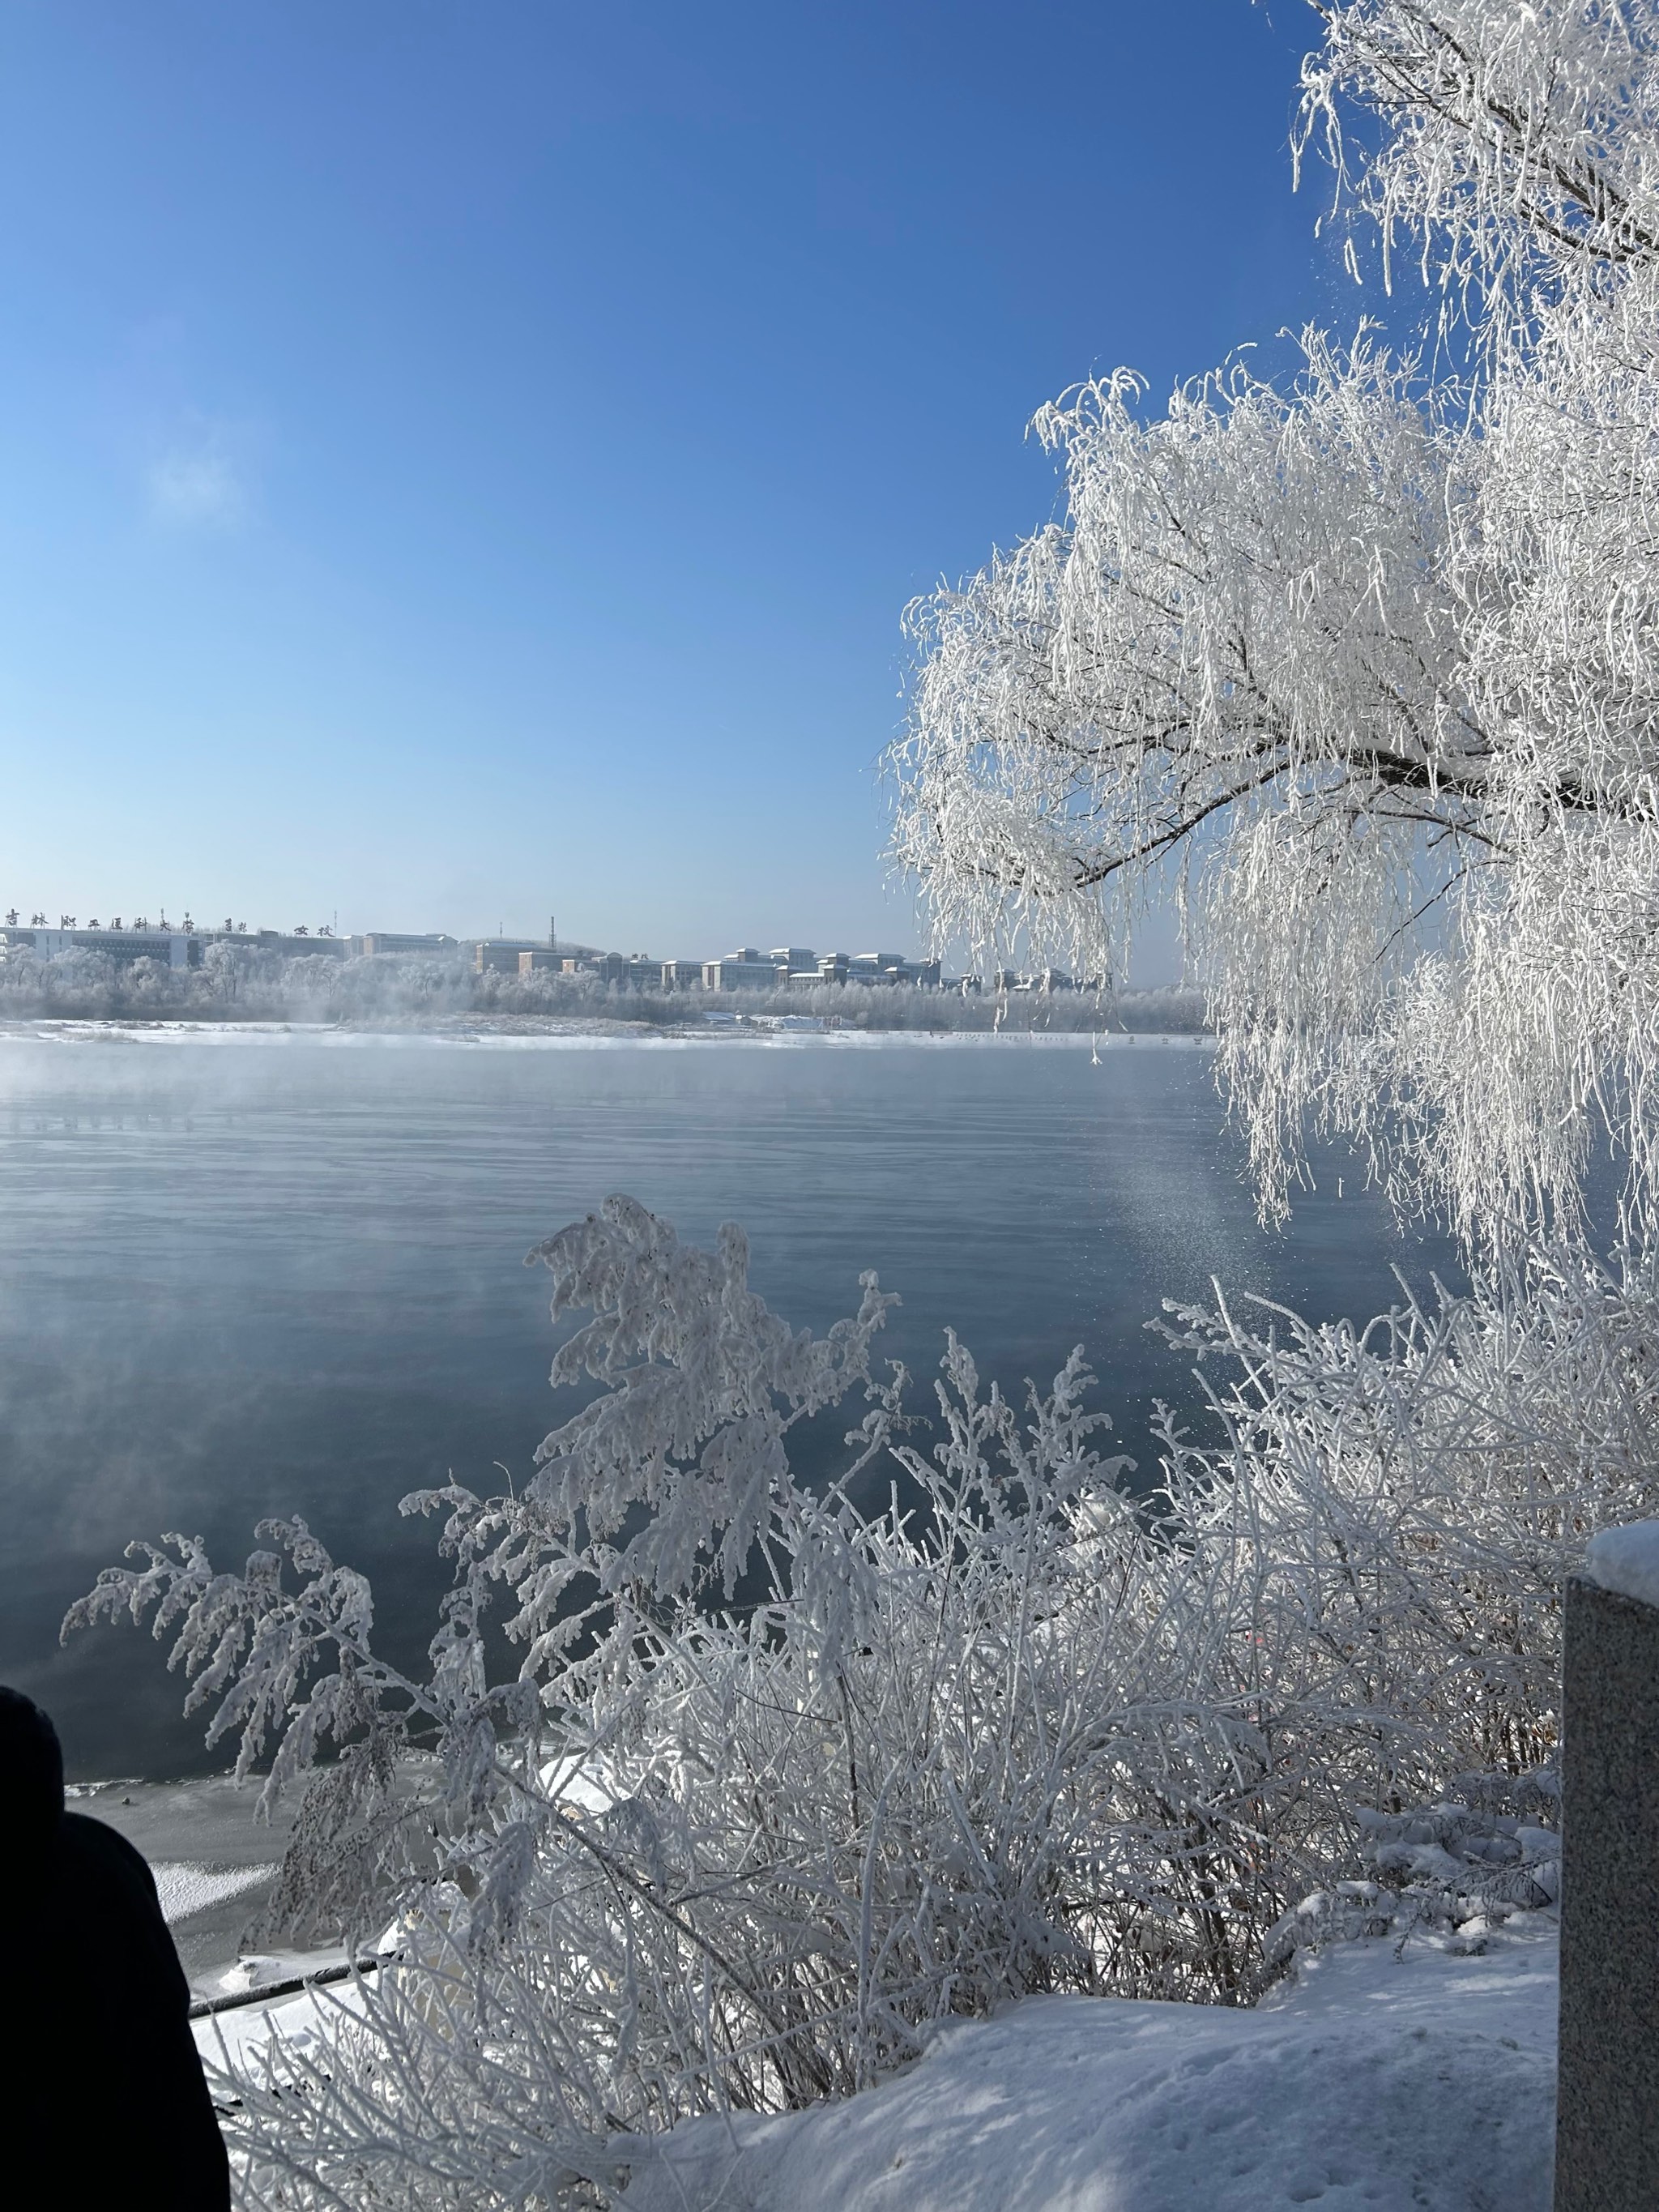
{"x": 1626, "y": 1560}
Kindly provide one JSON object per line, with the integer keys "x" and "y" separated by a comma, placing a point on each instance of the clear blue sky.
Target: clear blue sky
{"x": 466, "y": 458}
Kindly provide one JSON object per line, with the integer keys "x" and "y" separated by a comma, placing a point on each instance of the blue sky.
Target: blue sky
{"x": 465, "y": 461}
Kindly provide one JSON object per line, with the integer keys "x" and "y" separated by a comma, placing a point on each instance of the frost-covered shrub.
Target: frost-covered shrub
{"x": 75, "y": 982}
{"x": 1444, "y": 1466}
{"x": 1455, "y": 1871}
{"x": 984, "y": 1723}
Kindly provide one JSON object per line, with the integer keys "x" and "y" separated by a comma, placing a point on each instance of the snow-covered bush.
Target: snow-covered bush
{"x": 1454, "y": 1871}
{"x": 75, "y": 982}
{"x": 787, "y": 1774}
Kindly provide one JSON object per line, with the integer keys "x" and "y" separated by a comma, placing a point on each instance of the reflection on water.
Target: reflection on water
{"x": 248, "y": 1277}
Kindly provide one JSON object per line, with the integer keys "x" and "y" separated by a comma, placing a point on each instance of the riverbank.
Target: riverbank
{"x": 214, "y": 1866}
{"x": 253, "y": 988}
{"x": 1408, "y": 2077}
{"x": 510, "y": 1029}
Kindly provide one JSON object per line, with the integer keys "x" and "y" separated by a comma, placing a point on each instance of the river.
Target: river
{"x": 246, "y": 1273}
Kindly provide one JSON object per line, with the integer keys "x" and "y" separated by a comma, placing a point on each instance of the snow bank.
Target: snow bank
{"x": 184, "y": 1889}
{"x": 1626, "y": 1560}
{"x": 1418, "y": 2083}
{"x": 255, "y": 2038}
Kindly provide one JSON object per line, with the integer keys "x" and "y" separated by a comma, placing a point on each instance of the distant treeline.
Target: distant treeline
{"x": 237, "y": 983}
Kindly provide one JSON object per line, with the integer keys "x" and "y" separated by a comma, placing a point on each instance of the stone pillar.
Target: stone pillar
{"x": 1606, "y": 2152}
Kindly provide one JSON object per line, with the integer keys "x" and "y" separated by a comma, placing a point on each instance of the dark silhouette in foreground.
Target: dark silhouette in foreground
{"x": 102, "y": 2097}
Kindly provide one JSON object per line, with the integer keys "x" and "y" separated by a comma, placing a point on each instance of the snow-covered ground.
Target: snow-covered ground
{"x": 1388, "y": 2077}
{"x": 1421, "y": 2083}
{"x": 186, "y": 1889}
{"x": 1382, "y": 2079}
{"x": 212, "y": 1861}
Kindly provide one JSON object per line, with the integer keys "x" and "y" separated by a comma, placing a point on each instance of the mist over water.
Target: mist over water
{"x": 240, "y": 1276}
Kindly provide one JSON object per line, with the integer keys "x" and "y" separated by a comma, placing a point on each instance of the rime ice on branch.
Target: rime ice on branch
{"x": 1368, "y": 662}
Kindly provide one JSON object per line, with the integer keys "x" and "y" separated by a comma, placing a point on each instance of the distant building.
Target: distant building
{"x": 502, "y": 956}
{"x": 288, "y": 944}
{"x": 1042, "y": 981}
{"x": 636, "y": 971}
{"x": 892, "y": 968}
{"x": 744, "y": 970}
{"x": 536, "y": 959}
{"x": 173, "y": 948}
{"x": 377, "y": 941}
{"x": 749, "y": 969}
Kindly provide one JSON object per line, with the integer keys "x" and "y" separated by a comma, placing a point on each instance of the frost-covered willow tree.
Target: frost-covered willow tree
{"x": 1366, "y": 664}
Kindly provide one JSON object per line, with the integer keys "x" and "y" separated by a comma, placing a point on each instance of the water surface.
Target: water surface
{"x": 242, "y": 1276}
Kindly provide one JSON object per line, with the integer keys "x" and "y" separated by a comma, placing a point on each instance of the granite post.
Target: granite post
{"x": 1606, "y": 2153}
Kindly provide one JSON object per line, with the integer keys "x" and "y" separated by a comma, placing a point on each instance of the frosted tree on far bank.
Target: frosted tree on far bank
{"x": 1366, "y": 662}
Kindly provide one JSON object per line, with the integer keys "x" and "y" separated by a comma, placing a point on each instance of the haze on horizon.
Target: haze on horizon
{"x": 462, "y": 470}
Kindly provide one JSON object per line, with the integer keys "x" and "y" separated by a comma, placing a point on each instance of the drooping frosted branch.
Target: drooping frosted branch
{"x": 1365, "y": 667}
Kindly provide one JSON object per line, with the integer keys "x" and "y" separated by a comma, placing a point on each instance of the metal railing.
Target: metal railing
{"x": 203, "y": 2007}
